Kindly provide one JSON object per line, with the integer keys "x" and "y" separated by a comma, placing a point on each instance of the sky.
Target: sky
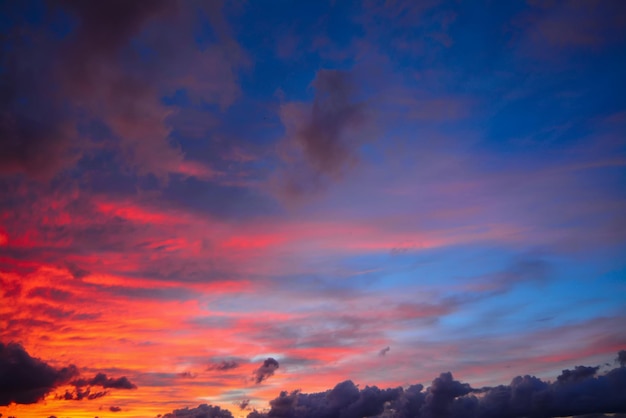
{"x": 221, "y": 203}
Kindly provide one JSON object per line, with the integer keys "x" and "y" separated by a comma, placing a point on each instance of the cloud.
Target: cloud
{"x": 202, "y": 411}
{"x": 115, "y": 409}
{"x": 580, "y": 372}
{"x": 80, "y": 394}
{"x": 345, "y": 400}
{"x": 327, "y": 133}
{"x": 384, "y": 351}
{"x": 26, "y": 380}
{"x": 37, "y": 128}
{"x": 101, "y": 379}
{"x": 266, "y": 370}
{"x": 95, "y": 74}
{"x": 575, "y": 392}
{"x": 596, "y": 23}
{"x": 621, "y": 358}
{"x": 223, "y": 365}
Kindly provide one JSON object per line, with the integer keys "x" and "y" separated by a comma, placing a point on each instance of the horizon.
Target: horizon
{"x": 216, "y": 202}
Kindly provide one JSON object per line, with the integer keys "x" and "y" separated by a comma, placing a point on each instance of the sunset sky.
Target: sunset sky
{"x": 205, "y": 202}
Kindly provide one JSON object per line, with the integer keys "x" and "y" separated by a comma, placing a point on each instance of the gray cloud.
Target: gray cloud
{"x": 384, "y": 351}
{"x": 328, "y": 132}
{"x": 266, "y": 370}
{"x": 223, "y": 365}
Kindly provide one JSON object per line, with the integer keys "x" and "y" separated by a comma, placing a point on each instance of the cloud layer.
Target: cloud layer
{"x": 575, "y": 392}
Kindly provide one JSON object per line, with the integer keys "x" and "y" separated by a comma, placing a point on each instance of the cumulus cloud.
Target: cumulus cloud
{"x": 202, "y": 411}
{"x": 26, "y": 380}
{"x": 579, "y": 372}
{"x": 575, "y": 392}
{"x": 266, "y": 370}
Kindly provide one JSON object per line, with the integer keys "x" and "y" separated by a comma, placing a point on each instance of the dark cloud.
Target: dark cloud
{"x": 202, "y": 411}
{"x": 101, "y": 379}
{"x": 37, "y": 128}
{"x": 35, "y": 137}
{"x": 345, "y": 400}
{"x": 94, "y": 76}
{"x": 266, "y": 370}
{"x": 580, "y": 372}
{"x": 50, "y": 293}
{"x": 115, "y": 409}
{"x": 577, "y": 392}
{"x": 334, "y": 111}
{"x": 621, "y": 358}
{"x": 243, "y": 405}
{"x": 26, "y": 380}
{"x": 328, "y": 133}
{"x": 79, "y": 394}
{"x": 223, "y": 365}
{"x": 77, "y": 272}
{"x": 384, "y": 351}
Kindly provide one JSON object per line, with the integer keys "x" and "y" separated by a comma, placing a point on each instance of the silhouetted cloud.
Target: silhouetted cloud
{"x": 101, "y": 379}
{"x": 115, "y": 409}
{"x": 384, "y": 351}
{"x": 26, "y": 380}
{"x": 202, "y": 411}
{"x": 266, "y": 370}
{"x": 575, "y": 392}
{"x": 79, "y": 394}
{"x": 621, "y": 358}
{"x": 579, "y": 372}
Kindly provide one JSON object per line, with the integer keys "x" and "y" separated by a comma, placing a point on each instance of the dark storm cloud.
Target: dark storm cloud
{"x": 576, "y": 392}
{"x": 266, "y": 370}
{"x": 202, "y": 411}
{"x": 223, "y": 365}
{"x": 26, "y": 380}
{"x": 102, "y": 380}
